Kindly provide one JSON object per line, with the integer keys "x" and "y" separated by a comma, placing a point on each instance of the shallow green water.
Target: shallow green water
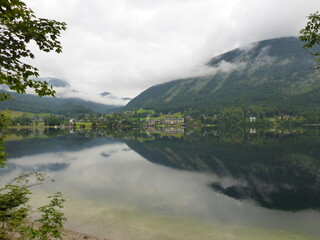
{"x": 217, "y": 185}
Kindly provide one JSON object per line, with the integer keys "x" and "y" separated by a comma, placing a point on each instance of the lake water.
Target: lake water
{"x": 207, "y": 184}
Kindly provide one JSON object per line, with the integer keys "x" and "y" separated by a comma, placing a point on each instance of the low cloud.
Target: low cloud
{"x": 126, "y": 46}
{"x": 285, "y": 62}
{"x": 264, "y": 58}
{"x": 95, "y": 97}
{"x": 70, "y": 92}
{"x": 228, "y": 67}
{"x": 221, "y": 67}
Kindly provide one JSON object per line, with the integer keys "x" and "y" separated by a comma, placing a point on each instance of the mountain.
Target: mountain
{"x": 104, "y": 94}
{"x": 35, "y": 104}
{"x": 54, "y": 82}
{"x": 67, "y": 100}
{"x": 65, "y": 90}
{"x": 126, "y": 99}
{"x": 270, "y": 75}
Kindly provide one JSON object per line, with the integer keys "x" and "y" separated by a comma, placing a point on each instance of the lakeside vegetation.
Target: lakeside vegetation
{"x": 152, "y": 119}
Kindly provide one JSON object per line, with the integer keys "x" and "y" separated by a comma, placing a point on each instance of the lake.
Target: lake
{"x": 215, "y": 183}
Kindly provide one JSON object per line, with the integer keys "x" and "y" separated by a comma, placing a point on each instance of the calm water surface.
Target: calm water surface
{"x": 211, "y": 184}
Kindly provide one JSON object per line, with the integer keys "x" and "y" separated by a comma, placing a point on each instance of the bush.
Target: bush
{"x": 15, "y": 211}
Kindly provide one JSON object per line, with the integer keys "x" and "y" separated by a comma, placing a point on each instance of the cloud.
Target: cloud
{"x": 69, "y": 92}
{"x": 126, "y": 46}
{"x": 221, "y": 67}
{"x": 264, "y": 58}
{"x": 285, "y": 62}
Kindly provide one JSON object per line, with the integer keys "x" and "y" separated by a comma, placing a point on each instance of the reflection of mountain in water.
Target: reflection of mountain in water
{"x": 277, "y": 172}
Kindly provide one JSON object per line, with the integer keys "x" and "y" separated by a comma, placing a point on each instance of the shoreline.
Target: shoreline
{"x": 71, "y": 235}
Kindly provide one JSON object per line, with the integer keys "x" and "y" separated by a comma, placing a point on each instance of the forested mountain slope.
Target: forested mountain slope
{"x": 272, "y": 75}
{"x": 35, "y": 104}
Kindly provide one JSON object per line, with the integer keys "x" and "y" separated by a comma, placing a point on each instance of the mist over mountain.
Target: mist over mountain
{"x": 35, "y": 104}
{"x": 67, "y": 101}
{"x": 54, "y": 82}
{"x": 273, "y": 75}
{"x": 66, "y": 90}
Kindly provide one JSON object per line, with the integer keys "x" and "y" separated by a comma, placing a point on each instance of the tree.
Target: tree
{"x": 311, "y": 35}
{"x": 52, "y": 120}
{"x": 18, "y": 27}
{"x": 15, "y": 211}
{"x": 4, "y": 122}
{"x": 22, "y": 120}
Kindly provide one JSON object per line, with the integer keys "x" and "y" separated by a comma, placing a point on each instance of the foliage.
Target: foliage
{"x": 311, "y": 35}
{"x": 4, "y": 122}
{"x": 18, "y": 27}
{"x": 121, "y": 120}
{"x": 51, "y": 222}
{"x": 15, "y": 210}
{"x": 22, "y": 120}
{"x": 53, "y": 120}
{"x": 86, "y": 125}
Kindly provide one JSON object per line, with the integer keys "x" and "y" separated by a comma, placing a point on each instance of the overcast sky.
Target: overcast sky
{"x": 126, "y": 46}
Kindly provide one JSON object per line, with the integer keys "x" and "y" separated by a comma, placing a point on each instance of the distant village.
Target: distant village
{"x": 148, "y": 119}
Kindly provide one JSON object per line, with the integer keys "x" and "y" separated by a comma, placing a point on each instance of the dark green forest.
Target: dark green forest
{"x": 272, "y": 76}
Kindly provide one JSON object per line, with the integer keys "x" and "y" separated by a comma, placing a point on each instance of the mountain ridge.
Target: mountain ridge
{"x": 35, "y": 104}
{"x": 274, "y": 75}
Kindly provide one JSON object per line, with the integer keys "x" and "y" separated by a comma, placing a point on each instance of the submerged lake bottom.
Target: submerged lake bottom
{"x": 210, "y": 184}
